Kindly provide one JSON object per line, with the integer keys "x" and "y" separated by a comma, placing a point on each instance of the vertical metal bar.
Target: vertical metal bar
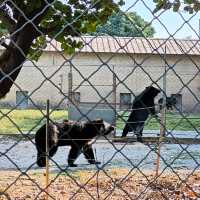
{"x": 70, "y": 84}
{"x": 70, "y": 95}
{"x": 114, "y": 97}
{"x": 61, "y": 82}
{"x": 199, "y": 28}
{"x": 163, "y": 117}
{"x": 47, "y": 149}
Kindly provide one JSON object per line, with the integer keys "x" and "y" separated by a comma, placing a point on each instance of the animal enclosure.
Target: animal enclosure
{"x": 69, "y": 63}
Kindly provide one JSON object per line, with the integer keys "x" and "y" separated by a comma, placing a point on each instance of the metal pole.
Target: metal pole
{"x": 114, "y": 97}
{"x": 47, "y": 149}
{"x": 61, "y": 82}
{"x": 70, "y": 95}
{"x": 70, "y": 83}
{"x": 163, "y": 118}
{"x": 199, "y": 28}
{"x": 70, "y": 86}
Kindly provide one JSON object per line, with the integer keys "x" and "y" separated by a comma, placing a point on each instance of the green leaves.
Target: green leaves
{"x": 31, "y": 6}
{"x": 189, "y": 6}
{"x": 70, "y": 45}
{"x": 162, "y": 4}
{"x": 37, "y": 47}
{"x": 63, "y": 20}
{"x": 76, "y": 17}
{"x": 89, "y": 26}
{"x": 125, "y": 24}
{"x": 3, "y": 29}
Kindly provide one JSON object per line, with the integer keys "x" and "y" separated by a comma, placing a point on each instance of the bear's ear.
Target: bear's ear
{"x": 99, "y": 121}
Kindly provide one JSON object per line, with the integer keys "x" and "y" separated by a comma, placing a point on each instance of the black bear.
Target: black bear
{"x": 78, "y": 135}
{"x": 142, "y": 106}
{"x": 170, "y": 103}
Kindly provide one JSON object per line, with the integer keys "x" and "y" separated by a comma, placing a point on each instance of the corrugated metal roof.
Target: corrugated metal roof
{"x": 137, "y": 45}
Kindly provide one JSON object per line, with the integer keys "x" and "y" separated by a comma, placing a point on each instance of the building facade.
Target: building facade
{"x": 111, "y": 70}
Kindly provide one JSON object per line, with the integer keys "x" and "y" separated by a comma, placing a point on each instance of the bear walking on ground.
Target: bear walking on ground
{"x": 142, "y": 106}
{"x": 78, "y": 135}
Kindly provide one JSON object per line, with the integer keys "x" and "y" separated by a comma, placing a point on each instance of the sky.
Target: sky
{"x": 169, "y": 22}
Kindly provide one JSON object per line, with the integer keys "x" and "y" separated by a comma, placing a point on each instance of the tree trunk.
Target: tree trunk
{"x": 12, "y": 59}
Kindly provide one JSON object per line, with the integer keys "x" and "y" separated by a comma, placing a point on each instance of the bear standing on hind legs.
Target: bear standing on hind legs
{"x": 142, "y": 106}
{"x": 78, "y": 135}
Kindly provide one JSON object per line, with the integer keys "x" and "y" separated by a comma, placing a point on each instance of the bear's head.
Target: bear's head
{"x": 98, "y": 127}
{"x": 152, "y": 91}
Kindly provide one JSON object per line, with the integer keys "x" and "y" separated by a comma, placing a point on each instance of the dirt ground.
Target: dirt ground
{"x": 112, "y": 184}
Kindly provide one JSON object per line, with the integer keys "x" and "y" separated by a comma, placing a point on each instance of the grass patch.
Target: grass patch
{"x": 25, "y": 120}
{"x": 173, "y": 122}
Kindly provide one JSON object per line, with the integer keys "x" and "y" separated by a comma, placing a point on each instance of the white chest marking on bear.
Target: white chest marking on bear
{"x": 56, "y": 131}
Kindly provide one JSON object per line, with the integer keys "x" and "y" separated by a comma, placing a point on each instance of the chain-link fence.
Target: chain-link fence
{"x": 95, "y": 104}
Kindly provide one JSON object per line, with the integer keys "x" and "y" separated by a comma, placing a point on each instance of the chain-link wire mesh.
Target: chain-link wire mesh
{"x": 92, "y": 114}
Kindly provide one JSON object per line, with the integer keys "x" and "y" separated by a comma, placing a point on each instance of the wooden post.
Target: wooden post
{"x": 163, "y": 118}
{"x": 114, "y": 98}
{"x": 47, "y": 149}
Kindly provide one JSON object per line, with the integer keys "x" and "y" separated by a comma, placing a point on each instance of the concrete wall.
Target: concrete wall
{"x": 134, "y": 73}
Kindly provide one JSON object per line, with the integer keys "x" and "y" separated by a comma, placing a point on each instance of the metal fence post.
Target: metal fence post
{"x": 70, "y": 94}
{"x": 163, "y": 117}
{"x": 47, "y": 149}
{"x": 114, "y": 98}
